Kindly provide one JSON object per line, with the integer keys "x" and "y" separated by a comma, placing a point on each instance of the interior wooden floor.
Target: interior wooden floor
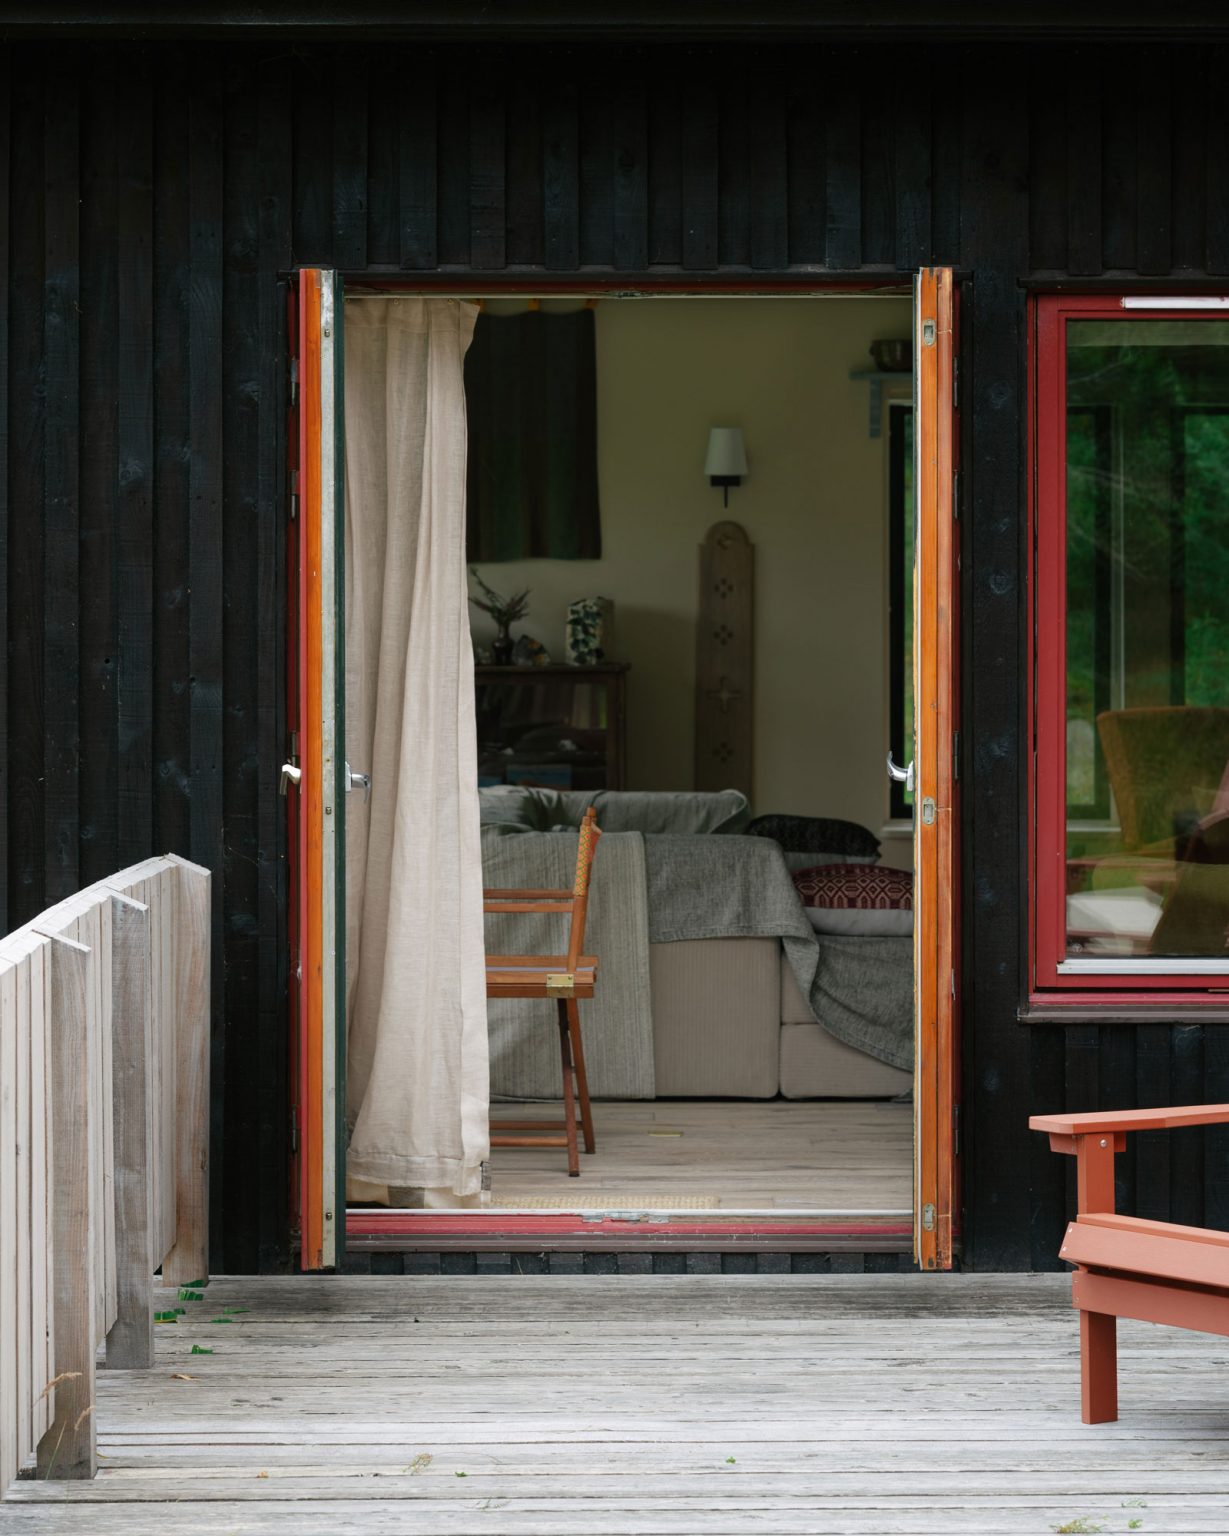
{"x": 792, "y": 1405}
{"x": 721, "y": 1154}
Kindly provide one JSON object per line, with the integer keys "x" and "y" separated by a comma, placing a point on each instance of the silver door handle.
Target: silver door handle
{"x": 359, "y": 780}
{"x": 901, "y": 775}
{"x": 291, "y": 774}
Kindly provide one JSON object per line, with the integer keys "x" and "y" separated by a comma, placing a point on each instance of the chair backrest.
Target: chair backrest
{"x": 586, "y": 849}
{"x": 1165, "y": 767}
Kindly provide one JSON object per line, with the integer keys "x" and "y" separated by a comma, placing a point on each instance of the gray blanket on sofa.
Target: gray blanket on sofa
{"x": 661, "y": 888}
{"x": 859, "y": 989}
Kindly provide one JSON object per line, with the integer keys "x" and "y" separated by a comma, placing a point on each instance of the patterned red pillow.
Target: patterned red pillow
{"x": 865, "y": 886}
{"x": 857, "y": 898}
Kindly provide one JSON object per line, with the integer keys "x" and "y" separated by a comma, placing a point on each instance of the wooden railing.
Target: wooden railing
{"x": 104, "y": 1114}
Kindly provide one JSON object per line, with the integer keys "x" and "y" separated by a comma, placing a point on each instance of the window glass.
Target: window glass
{"x": 900, "y": 597}
{"x": 1147, "y": 638}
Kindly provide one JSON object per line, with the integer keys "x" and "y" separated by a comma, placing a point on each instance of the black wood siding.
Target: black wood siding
{"x": 155, "y": 193}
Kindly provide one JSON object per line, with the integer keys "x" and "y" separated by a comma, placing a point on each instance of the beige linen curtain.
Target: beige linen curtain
{"x": 417, "y": 1080}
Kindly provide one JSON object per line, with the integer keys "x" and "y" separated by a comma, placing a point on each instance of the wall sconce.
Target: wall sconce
{"x": 726, "y": 463}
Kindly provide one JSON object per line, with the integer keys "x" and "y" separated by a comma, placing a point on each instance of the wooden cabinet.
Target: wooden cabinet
{"x": 558, "y": 726}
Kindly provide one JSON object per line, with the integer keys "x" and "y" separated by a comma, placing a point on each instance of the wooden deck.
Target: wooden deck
{"x": 643, "y": 1407}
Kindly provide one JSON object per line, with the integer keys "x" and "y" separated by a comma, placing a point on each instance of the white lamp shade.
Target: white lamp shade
{"x": 727, "y": 454}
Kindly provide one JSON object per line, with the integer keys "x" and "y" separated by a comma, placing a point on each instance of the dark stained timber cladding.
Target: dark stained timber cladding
{"x": 994, "y": 238}
{"x": 61, "y": 483}
{"x": 134, "y": 531}
{"x": 99, "y": 851}
{"x": 26, "y": 870}
{"x": 206, "y": 533}
{"x": 172, "y": 428}
{"x": 157, "y": 196}
{"x": 349, "y": 99}
{"x": 241, "y": 597}
{"x": 487, "y": 173}
{"x": 5, "y": 189}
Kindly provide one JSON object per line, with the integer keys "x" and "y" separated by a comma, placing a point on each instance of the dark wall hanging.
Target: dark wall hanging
{"x": 531, "y": 399}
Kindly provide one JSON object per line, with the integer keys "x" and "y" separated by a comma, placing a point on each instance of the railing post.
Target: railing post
{"x": 189, "y": 1258}
{"x": 67, "y": 1450}
{"x": 130, "y": 1343}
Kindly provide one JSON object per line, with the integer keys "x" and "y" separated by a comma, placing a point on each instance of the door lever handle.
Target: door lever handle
{"x": 901, "y": 775}
{"x": 291, "y": 774}
{"x": 359, "y": 780}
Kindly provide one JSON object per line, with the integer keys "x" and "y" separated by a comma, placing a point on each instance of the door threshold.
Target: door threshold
{"x": 625, "y": 1231}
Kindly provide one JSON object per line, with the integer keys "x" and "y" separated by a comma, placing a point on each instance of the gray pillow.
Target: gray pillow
{"x": 526, "y": 809}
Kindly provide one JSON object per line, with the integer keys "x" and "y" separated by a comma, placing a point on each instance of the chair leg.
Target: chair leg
{"x": 582, "y": 1082}
{"x": 569, "y": 1098}
{"x": 1098, "y": 1367}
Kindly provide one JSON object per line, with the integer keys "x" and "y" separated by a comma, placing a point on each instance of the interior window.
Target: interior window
{"x": 1138, "y": 532}
{"x": 900, "y": 598}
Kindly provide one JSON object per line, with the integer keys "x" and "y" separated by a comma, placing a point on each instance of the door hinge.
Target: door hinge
{"x": 956, "y": 495}
{"x": 953, "y": 986}
{"x": 955, "y": 1130}
{"x": 928, "y": 1218}
{"x": 294, "y": 494}
{"x": 294, "y": 380}
{"x": 955, "y": 383}
{"x": 955, "y": 757}
{"x": 294, "y": 1131}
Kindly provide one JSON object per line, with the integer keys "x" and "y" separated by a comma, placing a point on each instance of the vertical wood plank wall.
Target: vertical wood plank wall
{"x": 155, "y": 193}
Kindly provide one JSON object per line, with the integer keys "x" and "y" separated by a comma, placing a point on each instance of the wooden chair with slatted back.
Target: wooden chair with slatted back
{"x": 565, "y": 978}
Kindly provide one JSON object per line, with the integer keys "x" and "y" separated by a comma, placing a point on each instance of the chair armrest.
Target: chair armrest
{"x": 519, "y": 893}
{"x": 1123, "y": 1120}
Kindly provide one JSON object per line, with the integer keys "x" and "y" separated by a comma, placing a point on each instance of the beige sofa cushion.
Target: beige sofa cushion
{"x": 816, "y": 1065}
{"x": 716, "y": 1017}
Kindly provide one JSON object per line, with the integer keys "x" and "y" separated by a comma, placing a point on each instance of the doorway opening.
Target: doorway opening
{"x": 711, "y": 503}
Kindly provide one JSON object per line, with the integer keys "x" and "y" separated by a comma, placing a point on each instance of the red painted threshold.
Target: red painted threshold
{"x": 411, "y": 1230}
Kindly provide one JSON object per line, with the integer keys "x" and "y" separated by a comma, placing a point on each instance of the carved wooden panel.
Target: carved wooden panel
{"x": 725, "y": 660}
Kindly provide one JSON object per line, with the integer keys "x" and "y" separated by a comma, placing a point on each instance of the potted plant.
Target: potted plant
{"x": 506, "y": 611}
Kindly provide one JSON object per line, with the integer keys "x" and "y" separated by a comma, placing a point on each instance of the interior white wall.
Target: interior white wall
{"x": 814, "y": 504}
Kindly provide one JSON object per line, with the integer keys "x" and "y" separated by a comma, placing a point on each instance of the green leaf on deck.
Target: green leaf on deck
{"x": 221, "y": 1319}
{"x": 199, "y": 1349}
{"x": 188, "y": 1295}
{"x": 165, "y": 1317}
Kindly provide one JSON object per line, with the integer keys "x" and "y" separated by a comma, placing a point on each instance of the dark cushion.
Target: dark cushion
{"x": 817, "y": 834}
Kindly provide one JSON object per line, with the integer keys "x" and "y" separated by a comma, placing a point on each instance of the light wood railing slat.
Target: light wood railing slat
{"x": 67, "y": 1450}
{"x": 104, "y": 1166}
{"x": 189, "y": 1258}
{"x": 130, "y": 1339}
{"x": 11, "y": 1442}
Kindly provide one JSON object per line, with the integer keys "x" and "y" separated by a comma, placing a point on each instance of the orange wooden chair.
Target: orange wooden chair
{"x": 1126, "y": 1266}
{"x": 567, "y": 979}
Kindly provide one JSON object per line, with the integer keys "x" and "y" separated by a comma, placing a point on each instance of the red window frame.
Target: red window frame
{"x": 1047, "y": 674}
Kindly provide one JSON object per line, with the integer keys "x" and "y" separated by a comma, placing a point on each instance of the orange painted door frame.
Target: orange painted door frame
{"x": 312, "y": 776}
{"x": 936, "y": 765}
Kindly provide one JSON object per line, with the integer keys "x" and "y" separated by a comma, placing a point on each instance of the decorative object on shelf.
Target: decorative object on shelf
{"x": 892, "y": 356}
{"x": 725, "y": 660}
{"x": 726, "y": 462}
{"x": 506, "y": 611}
{"x": 528, "y": 652}
{"x": 590, "y": 623}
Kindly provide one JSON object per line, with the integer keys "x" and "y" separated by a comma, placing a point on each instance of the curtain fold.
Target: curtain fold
{"x": 417, "y": 1078}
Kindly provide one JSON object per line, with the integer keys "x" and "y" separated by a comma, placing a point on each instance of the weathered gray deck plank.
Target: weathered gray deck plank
{"x": 864, "y": 1406}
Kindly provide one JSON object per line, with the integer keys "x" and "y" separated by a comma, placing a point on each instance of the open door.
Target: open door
{"x": 935, "y": 769}
{"x": 313, "y": 777}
